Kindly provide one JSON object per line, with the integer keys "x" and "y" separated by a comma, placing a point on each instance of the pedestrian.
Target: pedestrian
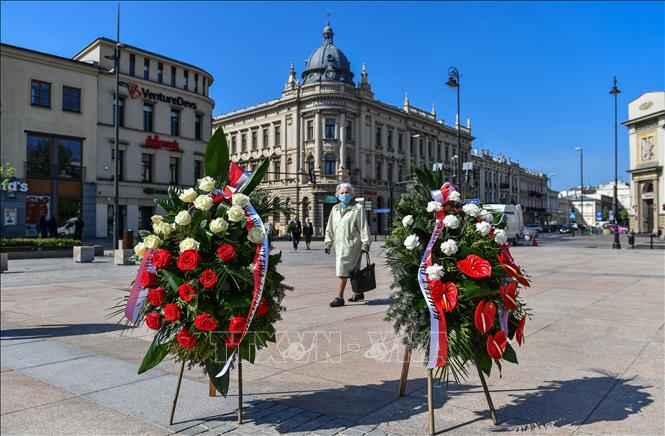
{"x": 78, "y": 229}
{"x": 348, "y": 232}
{"x": 53, "y": 227}
{"x": 308, "y": 231}
{"x": 43, "y": 226}
{"x": 295, "y": 230}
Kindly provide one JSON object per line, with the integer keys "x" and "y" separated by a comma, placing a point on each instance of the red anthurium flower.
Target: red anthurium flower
{"x": 263, "y": 307}
{"x": 475, "y": 266}
{"x": 153, "y": 321}
{"x": 496, "y": 344}
{"x": 171, "y": 312}
{"x": 161, "y": 259}
{"x": 519, "y": 333}
{"x": 205, "y": 323}
{"x": 186, "y": 292}
{"x": 444, "y": 295}
{"x": 186, "y": 339}
{"x": 157, "y": 296}
{"x": 484, "y": 318}
{"x": 508, "y": 264}
{"x": 509, "y": 295}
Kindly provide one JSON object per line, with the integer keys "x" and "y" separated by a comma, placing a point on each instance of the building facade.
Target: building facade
{"x": 58, "y": 131}
{"x": 646, "y": 133}
{"x": 499, "y": 180}
{"x": 327, "y": 128}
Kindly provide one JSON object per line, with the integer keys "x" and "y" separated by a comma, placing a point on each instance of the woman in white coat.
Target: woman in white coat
{"x": 348, "y": 232}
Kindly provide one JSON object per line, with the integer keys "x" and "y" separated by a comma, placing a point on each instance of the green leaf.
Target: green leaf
{"x": 222, "y": 208}
{"x": 155, "y": 354}
{"x": 509, "y": 354}
{"x": 484, "y": 362}
{"x": 256, "y": 177}
{"x": 217, "y": 156}
{"x": 220, "y": 383}
{"x": 473, "y": 290}
{"x": 173, "y": 280}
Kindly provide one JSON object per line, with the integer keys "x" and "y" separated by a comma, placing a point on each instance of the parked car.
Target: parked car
{"x": 536, "y": 227}
{"x": 566, "y": 228}
{"x": 530, "y": 233}
{"x": 69, "y": 228}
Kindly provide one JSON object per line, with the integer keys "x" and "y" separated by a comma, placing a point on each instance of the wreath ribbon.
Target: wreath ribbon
{"x": 138, "y": 294}
{"x": 438, "y": 345}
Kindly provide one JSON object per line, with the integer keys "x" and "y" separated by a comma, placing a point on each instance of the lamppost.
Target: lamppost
{"x": 454, "y": 82}
{"x": 617, "y": 243}
{"x": 549, "y": 188}
{"x": 581, "y": 150}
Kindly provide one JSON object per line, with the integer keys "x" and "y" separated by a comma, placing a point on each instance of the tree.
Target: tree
{"x": 7, "y": 171}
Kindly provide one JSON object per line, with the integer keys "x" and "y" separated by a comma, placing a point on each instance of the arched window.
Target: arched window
{"x": 330, "y": 167}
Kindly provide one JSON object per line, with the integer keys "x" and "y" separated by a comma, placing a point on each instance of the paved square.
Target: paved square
{"x": 592, "y": 362}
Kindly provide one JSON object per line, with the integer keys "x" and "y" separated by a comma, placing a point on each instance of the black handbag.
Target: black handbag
{"x": 363, "y": 280}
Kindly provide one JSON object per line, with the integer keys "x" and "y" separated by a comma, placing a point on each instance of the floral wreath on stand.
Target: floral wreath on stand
{"x": 205, "y": 272}
{"x": 455, "y": 284}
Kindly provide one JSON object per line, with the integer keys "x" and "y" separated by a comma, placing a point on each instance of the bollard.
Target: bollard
{"x": 651, "y": 241}
{"x": 631, "y": 240}
{"x": 128, "y": 239}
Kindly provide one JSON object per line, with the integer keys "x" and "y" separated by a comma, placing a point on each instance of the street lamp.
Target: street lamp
{"x": 617, "y": 243}
{"x": 549, "y": 188}
{"x": 454, "y": 82}
{"x": 581, "y": 150}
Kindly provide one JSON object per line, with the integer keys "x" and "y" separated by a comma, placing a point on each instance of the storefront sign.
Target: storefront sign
{"x": 155, "y": 142}
{"x": 158, "y": 96}
{"x": 15, "y": 186}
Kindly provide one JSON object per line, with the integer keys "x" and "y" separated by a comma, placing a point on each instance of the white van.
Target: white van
{"x": 511, "y": 214}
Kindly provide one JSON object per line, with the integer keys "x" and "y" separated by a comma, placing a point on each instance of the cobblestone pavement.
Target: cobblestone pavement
{"x": 592, "y": 362}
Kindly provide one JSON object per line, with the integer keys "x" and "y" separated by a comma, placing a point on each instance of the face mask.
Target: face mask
{"x": 345, "y": 198}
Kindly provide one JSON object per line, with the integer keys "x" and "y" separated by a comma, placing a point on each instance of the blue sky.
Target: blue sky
{"x": 535, "y": 76}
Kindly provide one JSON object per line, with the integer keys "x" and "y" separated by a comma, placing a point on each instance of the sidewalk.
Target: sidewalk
{"x": 592, "y": 362}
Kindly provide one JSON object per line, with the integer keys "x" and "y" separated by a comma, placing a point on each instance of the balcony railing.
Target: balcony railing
{"x": 42, "y": 170}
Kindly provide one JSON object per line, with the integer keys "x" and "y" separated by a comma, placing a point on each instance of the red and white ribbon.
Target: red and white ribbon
{"x": 138, "y": 294}
{"x": 438, "y": 345}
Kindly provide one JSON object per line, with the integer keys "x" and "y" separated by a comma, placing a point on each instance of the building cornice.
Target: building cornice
{"x": 637, "y": 120}
{"x": 48, "y": 59}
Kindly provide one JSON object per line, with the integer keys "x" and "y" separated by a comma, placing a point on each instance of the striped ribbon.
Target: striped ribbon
{"x": 138, "y": 294}
{"x": 438, "y": 345}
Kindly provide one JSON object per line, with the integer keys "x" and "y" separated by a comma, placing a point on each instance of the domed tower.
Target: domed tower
{"x": 327, "y": 63}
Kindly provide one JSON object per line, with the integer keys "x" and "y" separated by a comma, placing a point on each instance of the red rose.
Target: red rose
{"x": 171, "y": 312}
{"x": 475, "y": 266}
{"x": 186, "y": 292}
{"x": 232, "y": 340}
{"x": 157, "y": 296}
{"x": 496, "y": 344}
{"x": 237, "y": 324}
{"x": 484, "y": 317}
{"x": 186, "y": 339}
{"x": 189, "y": 260}
{"x": 205, "y": 323}
{"x": 226, "y": 252}
{"x": 148, "y": 279}
{"x": 161, "y": 259}
{"x": 519, "y": 333}
{"x": 208, "y": 278}
{"x": 509, "y": 295}
{"x": 263, "y": 308}
{"x": 153, "y": 321}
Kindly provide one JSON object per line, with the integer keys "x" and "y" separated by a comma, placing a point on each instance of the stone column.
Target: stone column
{"x": 342, "y": 143}
{"x": 318, "y": 142}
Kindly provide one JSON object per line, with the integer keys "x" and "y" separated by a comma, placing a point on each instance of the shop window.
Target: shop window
{"x": 38, "y": 158}
{"x": 69, "y": 208}
{"x": 40, "y": 94}
{"x": 68, "y": 158}
{"x": 71, "y": 99}
{"x": 145, "y": 215}
{"x": 146, "y": 168}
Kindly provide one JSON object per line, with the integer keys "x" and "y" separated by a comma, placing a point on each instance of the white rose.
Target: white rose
{"x": 240, "y": 200}
{"x": 411, "y": 242}
{"x": 207, "y": 184}
{"x": 235, "y": 213}
{"x": 203, "y": 202}
{"x": 189, "y": 244}
{"x": 188, "y": 195}
{"x": 256, "y": 235}
{"x": 454, "y": 196}
{"x": 162, "y": 228}
{"x": 183, "y": 218}
{"x": 156, "y": 219}
{"x": 218, "y": 225}
{"x": 152, "y": 241}
{"x": 486, "y": 215}
{"x": 500, "y": 237}
{"x": 451, "y": 221}
{"x": 483, "y": 228}
{"x": 434, "y": 272}
{"x": 449, "y": 247}
{"x": 140, "y": 249}
{"x": 471, "y": 209}
{"x": 434, "y": 206}
{"x": 407, "y": 220}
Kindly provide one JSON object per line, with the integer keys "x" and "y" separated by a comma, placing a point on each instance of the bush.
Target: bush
{"x": 38, "y": 242}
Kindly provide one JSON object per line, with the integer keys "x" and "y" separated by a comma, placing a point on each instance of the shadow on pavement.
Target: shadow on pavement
{"x": 57, "y": 330}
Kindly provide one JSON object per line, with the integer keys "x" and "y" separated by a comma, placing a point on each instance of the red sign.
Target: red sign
{"x": 155, "y": 142}
{"x": 134, "y": 91}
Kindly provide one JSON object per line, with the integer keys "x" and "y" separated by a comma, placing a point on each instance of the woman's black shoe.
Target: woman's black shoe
{"x": 357, "y": 297}
{"x": 337, "y": 302}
